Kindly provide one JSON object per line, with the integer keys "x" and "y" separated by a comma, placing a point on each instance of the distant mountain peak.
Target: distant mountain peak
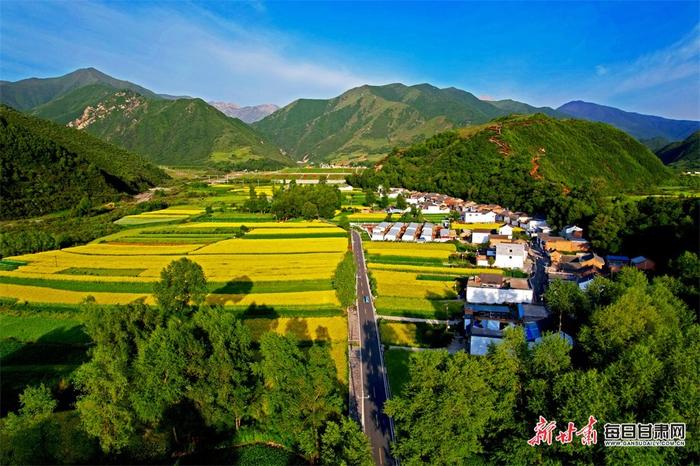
{"x": 638, "y": 125}
{"x": 249, "y": 114}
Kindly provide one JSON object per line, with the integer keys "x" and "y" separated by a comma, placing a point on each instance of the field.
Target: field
{"x": 415, "y": 280}
{"x": 414, "y": 334}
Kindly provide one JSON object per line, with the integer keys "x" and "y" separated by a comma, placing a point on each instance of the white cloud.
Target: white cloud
{"x": 601, "y": 70}
{"x": 677, "y": 61}
{"x": 192, "y": 51}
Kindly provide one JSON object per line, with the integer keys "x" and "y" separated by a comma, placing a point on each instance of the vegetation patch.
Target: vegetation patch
{"x": 8, "y": 264}
{"x": 414, "y": 334}
{"x": 344, "y": 280}
{"x": 100, "y": 272}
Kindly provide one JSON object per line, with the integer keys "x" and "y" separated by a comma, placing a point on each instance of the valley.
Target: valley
{"x": 324, "y": 281}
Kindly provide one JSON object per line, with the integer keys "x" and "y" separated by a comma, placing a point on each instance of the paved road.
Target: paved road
{"x": 376, "y": 424}
{"x": 539, "y": 277}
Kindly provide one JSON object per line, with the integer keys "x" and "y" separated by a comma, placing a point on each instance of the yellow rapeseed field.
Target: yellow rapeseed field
{"x": 404, "y": 284}
{"x": 132, "y": 249}
{"x": 257, "y": 231}
{"x": 269, "y": 246}
{"x": 378, "y": 245}
{"x": 428, "y": 269}
{"x": 255, "y": 224}
{"x": 36, "y": 294}
{"x": 408, "y": 252}
{"x": 326, "y": 297}
{"x": 331, "y": 329}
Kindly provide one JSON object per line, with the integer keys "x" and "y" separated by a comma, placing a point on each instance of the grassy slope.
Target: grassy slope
{"x": 371, "y": 120}
{"x": 171, "y": 132}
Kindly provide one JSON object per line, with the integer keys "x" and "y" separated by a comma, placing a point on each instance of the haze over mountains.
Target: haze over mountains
{"x": 361, "y": 125}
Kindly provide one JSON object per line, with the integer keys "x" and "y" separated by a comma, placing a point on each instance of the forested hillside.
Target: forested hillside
{"x": 522, "y": 162}
{"x": 47, "y": 167}
{"x": 169, "y": 132}
{"x": 684, "y": 155}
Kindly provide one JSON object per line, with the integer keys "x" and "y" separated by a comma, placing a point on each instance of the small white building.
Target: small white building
{"x": 379, "y": 231}
{"x": 510, "y": 256}
{"x": 496, "y": 289}
{"x": 410, "y": 233}
{"x": 506, "y": 230}
{"x": 572, "y": 232}
{"x": 534, "y": 224}
{"x": 484, "y": 216}
{"x": 395, "y": 232}
{"x": 480, "y": 236}
{"x": 426, "y": 234}
{"x": 430, "y": 208}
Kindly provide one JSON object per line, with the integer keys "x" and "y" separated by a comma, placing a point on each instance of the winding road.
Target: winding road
{"x": 375, "y": 388}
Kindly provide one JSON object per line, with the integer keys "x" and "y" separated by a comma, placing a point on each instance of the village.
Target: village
{"x": 518, "y": 255}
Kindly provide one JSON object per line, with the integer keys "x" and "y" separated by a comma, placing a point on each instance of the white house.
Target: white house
{"x": 480, "y": 236}
{"x": 506, "y": 230}
{"x": 536, "y": 223}
{"x": 510, "y": 256}
{"x": 495, "y": 289}
{"x": 431, "y": 208}
{"x": 485, "y": 216}
{"x": 572, "y": 231}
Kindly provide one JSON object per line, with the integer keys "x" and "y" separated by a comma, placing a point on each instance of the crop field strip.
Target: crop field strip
{"x": 288, "y": 267}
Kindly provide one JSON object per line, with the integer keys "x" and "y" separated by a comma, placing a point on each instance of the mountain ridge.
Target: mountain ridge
{"x": 639, "y": 125}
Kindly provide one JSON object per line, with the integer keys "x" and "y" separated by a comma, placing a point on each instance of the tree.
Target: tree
{"x": 225, "y": 383}
{"x": 182, "y": 282}
{"x": 443, "y": 410}
{"x": 401, "y": 202}
{"x": 370, "y": 197}
{"x": 301, "y": 392}
{"x": 564, "y": 298}
{"x": 309, "y": 211}
{"x": 82, "y": 209}
{"x": 29, "y": 433}
{"x": 344, "y": 444}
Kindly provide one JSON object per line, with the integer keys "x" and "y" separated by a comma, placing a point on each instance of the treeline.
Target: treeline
{"x": 45, "y": 167}
{"x": 297, "y": 201}
{"x": 658, "y": 228}
{"x": 635, "y": 360}
{"x": 26, "y": 236}
{"x": 183, "y": 379}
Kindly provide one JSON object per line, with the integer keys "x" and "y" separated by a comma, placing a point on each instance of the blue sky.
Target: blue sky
{"x": 639, "y": 56}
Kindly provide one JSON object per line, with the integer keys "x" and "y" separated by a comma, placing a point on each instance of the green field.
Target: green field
{"x": 397, "y": 361}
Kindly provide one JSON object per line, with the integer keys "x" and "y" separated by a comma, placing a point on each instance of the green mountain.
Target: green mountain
{"x": 46, "y": 167}
{"x": 368, "y": 121}
{"x": 522, "y": 161}
{"x": 684, "y": 155}
{"x": 170, "y": 132}
{"x": 510, "y": 106}
{"x": 29, "y": 93}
